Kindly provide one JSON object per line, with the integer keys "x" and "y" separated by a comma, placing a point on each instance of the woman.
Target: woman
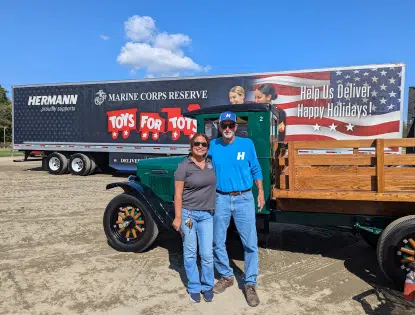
{"x": 194, "y": 204}
{"x": 265, "y": 93}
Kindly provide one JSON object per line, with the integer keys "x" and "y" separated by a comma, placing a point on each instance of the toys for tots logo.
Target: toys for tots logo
{"x": 151, "y": 123}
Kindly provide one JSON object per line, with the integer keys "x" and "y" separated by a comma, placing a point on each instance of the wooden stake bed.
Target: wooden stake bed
{"x": 381, "y": 178}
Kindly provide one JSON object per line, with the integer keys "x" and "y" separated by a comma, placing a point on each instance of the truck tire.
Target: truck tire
{"x": 93, "y": 165}
{"x": 128, "y": 224}
{"x": 396, "y": 236}
{"x": 79, "y": 164}
{"x": 56, "y": 163}
{"x": 45, "y": 164}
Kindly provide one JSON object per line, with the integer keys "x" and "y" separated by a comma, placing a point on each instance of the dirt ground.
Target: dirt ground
{"x": 54, "y": 259}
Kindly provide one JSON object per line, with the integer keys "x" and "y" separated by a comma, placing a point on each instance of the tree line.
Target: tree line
{"x": 5, "y": 116}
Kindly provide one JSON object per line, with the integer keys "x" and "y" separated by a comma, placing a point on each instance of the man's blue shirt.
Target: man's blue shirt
{"x": 236, "y": 164}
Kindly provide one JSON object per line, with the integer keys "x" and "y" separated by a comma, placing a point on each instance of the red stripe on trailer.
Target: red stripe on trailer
{"x": 87, "y": 146}
{"x": 28, "y": 145}
{"x": 173, "y": 148}
{"x": 59, "y": 146}
{"x": 72, "y": 146}
{"x": 42, "y": 145}
{"x": 156, "y": 148}
{"x": 105, "y": 147}
{"x": 120, "y": 147}
{"x": 138, "y": 148}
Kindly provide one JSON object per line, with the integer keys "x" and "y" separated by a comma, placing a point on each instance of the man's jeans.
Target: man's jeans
{"x": 242, "y": 209}
{"x": 202, "y": 232}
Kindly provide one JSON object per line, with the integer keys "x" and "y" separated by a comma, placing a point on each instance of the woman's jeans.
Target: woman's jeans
{"x": 202, "y": 232}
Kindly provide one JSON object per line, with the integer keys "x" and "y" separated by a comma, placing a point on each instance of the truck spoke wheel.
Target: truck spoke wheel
{"x": 129, "y": 224}
{"x": 406, "y": 252}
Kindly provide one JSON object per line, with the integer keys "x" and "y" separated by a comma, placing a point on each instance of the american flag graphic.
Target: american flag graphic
{"x": 375, "y": 114}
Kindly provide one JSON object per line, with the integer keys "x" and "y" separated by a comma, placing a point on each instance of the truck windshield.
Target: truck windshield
{"x": 212, "y": 129}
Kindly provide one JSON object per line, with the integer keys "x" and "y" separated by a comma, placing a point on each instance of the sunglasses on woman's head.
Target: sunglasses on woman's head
{"x": 196, "y": 144}
{"x": 224, "y": 126}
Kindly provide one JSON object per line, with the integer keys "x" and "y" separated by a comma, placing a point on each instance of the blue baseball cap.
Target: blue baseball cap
{"x": 227, "y": 116}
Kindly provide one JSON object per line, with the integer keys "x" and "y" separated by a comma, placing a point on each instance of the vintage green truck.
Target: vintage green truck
{"x": 368, "y": 192}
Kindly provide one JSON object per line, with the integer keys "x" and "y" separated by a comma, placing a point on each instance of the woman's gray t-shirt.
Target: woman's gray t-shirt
{"x": 199, "y": 191}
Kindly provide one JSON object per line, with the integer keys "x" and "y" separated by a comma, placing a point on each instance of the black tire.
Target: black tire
{"x": 370, "y": 238}
{"x": 389, "y": 244}
{"x": 118, "y": 240}
{"x": 56, "y": 163}
{"x": 93, "y": 165}
{"x": 45, "y": 164}
{"x": 79, "y": 164}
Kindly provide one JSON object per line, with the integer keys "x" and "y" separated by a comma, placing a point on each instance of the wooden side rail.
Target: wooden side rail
{"x": 375, "y": 175}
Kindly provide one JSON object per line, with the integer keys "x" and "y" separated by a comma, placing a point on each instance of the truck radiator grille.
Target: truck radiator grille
{"x": 163, "y": 186}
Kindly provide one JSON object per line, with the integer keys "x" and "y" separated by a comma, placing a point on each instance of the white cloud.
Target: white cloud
{"x": 155, "y": 59}
{"x": 171, "y": 41}
{"x": 157, "y": 53}
{"x": 104, "y": 37}
{"x": 139, "y": 28}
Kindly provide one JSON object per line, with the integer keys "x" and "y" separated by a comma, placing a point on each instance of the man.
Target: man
{"x": 236, "y": 164}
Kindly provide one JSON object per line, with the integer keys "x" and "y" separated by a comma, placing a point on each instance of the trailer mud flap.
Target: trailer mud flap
{"x": 160, "y": 211}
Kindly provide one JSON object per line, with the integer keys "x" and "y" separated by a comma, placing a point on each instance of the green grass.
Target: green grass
{"x": 8, "y": 152}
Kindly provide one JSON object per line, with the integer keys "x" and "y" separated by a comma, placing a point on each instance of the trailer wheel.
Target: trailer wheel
{"x": 45, "y": 164}
{"x": 79, "y": 164}
{"x": 93, "y": 165}
{"x": 128, "y": 224}
{"x": 56, "y": 163}
{"x": 396, "y": 249}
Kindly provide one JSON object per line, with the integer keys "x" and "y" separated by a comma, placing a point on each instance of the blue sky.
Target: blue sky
{"x": 59, "y": 41}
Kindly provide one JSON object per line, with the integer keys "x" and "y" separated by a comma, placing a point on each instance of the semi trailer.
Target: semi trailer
{"x": 111, "y": 125}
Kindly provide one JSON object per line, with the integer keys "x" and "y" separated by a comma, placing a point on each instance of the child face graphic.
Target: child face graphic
{"x": 235, "y": 98}
{"x": 261, "y": 98}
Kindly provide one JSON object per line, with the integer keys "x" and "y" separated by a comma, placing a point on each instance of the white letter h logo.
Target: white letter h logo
{"x": 241, "y": 156}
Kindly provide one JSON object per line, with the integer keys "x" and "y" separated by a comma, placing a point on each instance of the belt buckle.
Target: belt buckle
{"x": 236, "y": 193}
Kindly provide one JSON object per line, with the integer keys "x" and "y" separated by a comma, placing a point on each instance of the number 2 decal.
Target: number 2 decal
{"x": 261, "y": 118}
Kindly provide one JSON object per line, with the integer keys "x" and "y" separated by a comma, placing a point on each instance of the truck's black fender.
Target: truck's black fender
{"x": 158, "y": 209}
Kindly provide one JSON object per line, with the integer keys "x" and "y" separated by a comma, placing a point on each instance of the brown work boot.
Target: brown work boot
{"x": 251, "y": 295}
{"x": 222, "y": 284}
